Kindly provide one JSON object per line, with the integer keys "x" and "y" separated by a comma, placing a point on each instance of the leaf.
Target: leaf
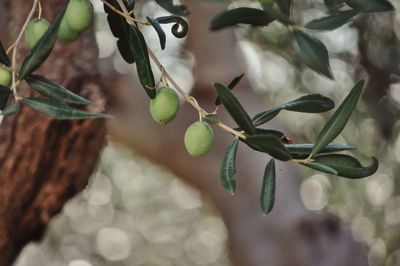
{"x": 333, "y": 3}
{"x": 312, "y": 103}
{"x": 53, "y": 90}
{"x": 179, "y": 10}
{"x": 285, "y": 6}
{"x": 4, "y": 95}
{"x": 370, "y": 5}
{"x": 231, "y": 86}
{"x": 277, "y": 15}
{"x": 180, "y": 29}
{"x": 321, "y": 167}
{"x": 241, "y": 15}
{"x": 228, "y": 168}
{"x": 41, "y": 50}
{"x": 347, "y": 166}
{"x": 211, "y": 119}
{"x": 304, "y": 150}
{"x": 60, "y": 110}
{"x": 3, "y": 56}
{"x": 234, "y": 108}
{"x": 331, "y": 22}
{"x": 120, "y": 29}
{"x": 160, "y": 32}
{"x": 143, "y": 65}
{"x": 314, "y": 53}
{"x": 267, "y": 197}
{"x": 339, "y": 119}
{"x": 11, "y": 109}
{"x": 268, "y": 144}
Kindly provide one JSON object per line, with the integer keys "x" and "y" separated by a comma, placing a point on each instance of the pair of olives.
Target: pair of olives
{"x": 77, "y": 18}
{"x": 198, "y": 136}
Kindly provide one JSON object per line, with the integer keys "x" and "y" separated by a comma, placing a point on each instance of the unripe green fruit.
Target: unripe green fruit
{"x": 199, "y": 138}
{"x": 35, "y": 30}
{"x": 164, "y": 106}
{"x": 5, "y": 77}
{"x": 65, "y": 33}
{"x": 79, "y": 14}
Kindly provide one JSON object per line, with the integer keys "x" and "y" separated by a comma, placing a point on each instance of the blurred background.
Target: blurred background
{"x": 137, "y": 212}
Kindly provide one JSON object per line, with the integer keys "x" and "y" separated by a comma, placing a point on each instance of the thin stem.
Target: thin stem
{"x": 126, "y": 14}
{"x": 10, "y": 48}
{"x": 231, "y": 130}
{"x": 40, "y": 10}
{"x": 15, "y": 49}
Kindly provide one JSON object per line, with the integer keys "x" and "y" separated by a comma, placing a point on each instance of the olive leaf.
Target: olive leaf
{"x": 321, "y": 167}
{"x": 339, "y": 119}
{"x": 332, "y": 22}
{"x": 41, "y": 50}
{"x": 180, "y": 28}
{"x": 302, "y": 151}
{"x": 267, "y": 197}
{"x": 231, "y": 86}
{"x": 11, "y": 109}
{"x": 228, "y": 168}
{"x": 170, "y": 6}
{"x": 4, "y": 95}
{"x": 160, "y": 32}
{"x": 268, "y": 144}
{"x": 277, "y": 15}
{"x": 285, "y": 6}
{"x": 3, "y": 56}
{"x": 370, "y": 5}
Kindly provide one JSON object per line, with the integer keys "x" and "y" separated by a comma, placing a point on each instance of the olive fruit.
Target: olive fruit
{"x": 65, "y": 33}
{"x": 198, "y": 139}
{"x": 35, "y": 30}
{"x": 165, "y": 105}
{"x": 5, "y": 76}
{"x": 79, "y": 14}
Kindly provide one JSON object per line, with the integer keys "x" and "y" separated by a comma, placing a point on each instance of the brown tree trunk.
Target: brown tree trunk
{"x": 44, "y": 162}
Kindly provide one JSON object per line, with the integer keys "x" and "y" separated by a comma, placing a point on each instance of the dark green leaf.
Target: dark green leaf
{"x": 370, "y": 5}
{"x": 211, "y": 118}
{"x": 120, "y": 29}
{"x": 334, "y": 3}
{"x": 267, "y": 197}
{"x": 160, "y": 32}
{"x": 180, "y": 28}
{"x": 347, "y": 166}
{"x": 331, "y": 22}
{"x": 244, "y": 15}
{"x": 41, "y": 50}
{"x": 314, "y": 53}
{"x": 339, "y": 119}
{"x": 3, "y": 56}
{"x": 312, "y": 103}
{"x": 285, "y": 6}
{"x": 4, "y": 95}
{"x": 304, "y": 150}
{"x": 53, "y": 90}
{"x": 60, "y": 110}
{"x": 268, "y": 144}
{"x": 276, "y": 14}
{"x": 231, "y": 86}
{"x": 321, "y": 167}
{"x": 170, "y": 6}
{"x": 228, "y": 168}
{"x": 11, "y": 109}
{"x": 234, "y": 108}
{"x": 143, "y": 65}
{"x": 276, "y": 133}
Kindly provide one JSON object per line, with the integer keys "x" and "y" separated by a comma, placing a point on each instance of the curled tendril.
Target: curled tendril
{"x": 179, "y": 29}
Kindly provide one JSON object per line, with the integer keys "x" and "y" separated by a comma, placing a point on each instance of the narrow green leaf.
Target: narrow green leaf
{"x": 60, "y": 110}
{"x": 370, "y": 5}
{"x": 321, "y": 167}
{"x": 53, "y": 90}
{"x": 347, "y": 166}
{"x": 41, "y": 50}
{"x": 312, "y": 103}
{"x": 3, "y": 56}
{"x": 334, "y": 4}
{"x": 241, "y": 15}
{"x": 285, "y": 6}
{"x": 304, "y": 150}
{"x": 277, "y": 15}
{"x": 339, "y": 119}
{"x": 276, "y": 133}
{"x": 180, "y": 28}
{"x": 332, "y": 22}
{"x": 4, "y": 95}
{"x": 11, "y": 109}
{"x": 228, "y": 168}
{"x": 267, "y": 197}
{"x": 269, "y": 144}
{"x": 170, "y": 6}
{"x": 314, "y": 53}
{"x": 160, "y": 32}
{"x": 234, "y": 108}
{"x": 143, "y": 65}
{"x": 231, "y": 86}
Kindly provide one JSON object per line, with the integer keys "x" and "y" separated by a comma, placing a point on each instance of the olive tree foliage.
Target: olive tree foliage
{"x": 58, "y": 102}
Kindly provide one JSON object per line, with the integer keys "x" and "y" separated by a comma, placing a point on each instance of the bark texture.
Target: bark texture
{"x": 44, "y": 162}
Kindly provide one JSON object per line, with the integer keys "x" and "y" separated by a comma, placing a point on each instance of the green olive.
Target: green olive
{"x": 199, "y": 138}
{"x": 164, "y": 106}
{"x": 79, "y": 14}
{"x": 35, "y": 30}
{"x": 5, "y": 76}
{"x": 65, "y": 33}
